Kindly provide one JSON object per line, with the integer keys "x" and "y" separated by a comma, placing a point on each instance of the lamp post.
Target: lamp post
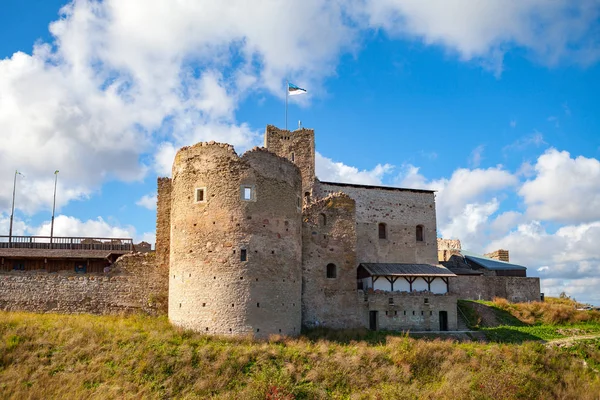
{"x": 53, "y": 208}
{"x": 12, "y": 213}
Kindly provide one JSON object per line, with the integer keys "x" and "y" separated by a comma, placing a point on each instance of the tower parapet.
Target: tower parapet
{"x": 235, "y": 260}
{"x": 297, "y": 146}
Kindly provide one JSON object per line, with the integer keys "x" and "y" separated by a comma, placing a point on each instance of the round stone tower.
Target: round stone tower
{"x": 236, "y": 242}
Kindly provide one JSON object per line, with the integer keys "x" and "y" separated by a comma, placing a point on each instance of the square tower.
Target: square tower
{"x": 297, "y": 146}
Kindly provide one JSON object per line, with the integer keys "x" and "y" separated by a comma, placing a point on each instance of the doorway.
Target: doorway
{"x": 373, "y": 320}
{"x": 443, "y": 320}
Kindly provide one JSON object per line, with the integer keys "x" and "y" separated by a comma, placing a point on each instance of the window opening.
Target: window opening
{"x": 382, "y": 231}
{"x": 419, "y": 233}
{"x": 331, "y": 271}
{"x": 243, "y": 255}
{"x": 200, "y": 195}
{"x": 323, "y": 219}
{"x": 292, "y": 157}
{"x": 248, "y": 193}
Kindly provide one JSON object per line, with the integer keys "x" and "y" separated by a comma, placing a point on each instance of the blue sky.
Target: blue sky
{"x": 493, "y": 104}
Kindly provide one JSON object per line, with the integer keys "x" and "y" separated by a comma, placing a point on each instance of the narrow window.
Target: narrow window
{"x": 391, "y": 300}
{"x": 292, "y": 158}
{"x": 419, "y": 233}
{"x": 382, "y": 231}
{"x": 248, "y": 193}
{"x": 323, "y": 220}
{"x": 243, "y": 255}
{"x": 331, "y": 271}
{"x": 200, "y": 195}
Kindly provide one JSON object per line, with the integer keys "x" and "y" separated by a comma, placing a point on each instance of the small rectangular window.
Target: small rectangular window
{"x": 248, "y": 193}
{"x": 200, "y": 195}
{"x": 243, "y": 255}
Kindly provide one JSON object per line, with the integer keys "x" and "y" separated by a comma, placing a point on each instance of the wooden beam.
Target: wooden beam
{"x": 410, "y": 280}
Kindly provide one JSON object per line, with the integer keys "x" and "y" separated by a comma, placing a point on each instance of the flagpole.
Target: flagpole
{"x": 287, "y": 90}
{"x": 53, "y": 207}
{"x": 12, "y": 213}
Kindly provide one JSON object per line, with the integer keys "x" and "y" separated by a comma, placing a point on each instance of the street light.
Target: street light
{"x": 12, "y": 213}
{"x": 53, "y": 207}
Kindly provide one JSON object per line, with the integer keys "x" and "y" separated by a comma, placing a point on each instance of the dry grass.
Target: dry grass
{"x": 56, "y": 356}
{"x": 554, "y": 311}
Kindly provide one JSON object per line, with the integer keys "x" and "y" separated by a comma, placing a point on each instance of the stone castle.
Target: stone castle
{"x": 257, "y": 244}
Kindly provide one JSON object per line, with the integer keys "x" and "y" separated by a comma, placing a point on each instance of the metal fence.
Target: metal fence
{"x": 66, "y": 243}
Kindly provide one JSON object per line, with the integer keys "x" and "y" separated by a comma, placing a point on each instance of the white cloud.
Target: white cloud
{"x": 564, "y": 189}
{"x": 551, "y": 31}
{"x": 120, "y": 77}
{"x": 564, "y": 259}
{"x": 147, "y": 201}
{"x": 464, "y": 202}
{"x": 331, "y": 171}
{"x": 535, "y": 139}
{"x": 476, "y": 156}
{"x": 71, "y": 226}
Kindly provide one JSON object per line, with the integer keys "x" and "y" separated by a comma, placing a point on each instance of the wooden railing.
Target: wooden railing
{"x": 66, "y": 243}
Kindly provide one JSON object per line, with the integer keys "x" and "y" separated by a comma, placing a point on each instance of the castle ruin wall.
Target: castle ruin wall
{"x": 329, "y": 239}
{"x": 397, "y": 311}
{"x": 235, "y": 264}
{"x": 512, "y": 288}
{"x": 401, "y": 211}
{"x": 163, "y": 222}
{"x": 134, "y": 284}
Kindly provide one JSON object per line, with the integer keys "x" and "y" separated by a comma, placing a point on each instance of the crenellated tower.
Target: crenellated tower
{"x": 297, "y": 146}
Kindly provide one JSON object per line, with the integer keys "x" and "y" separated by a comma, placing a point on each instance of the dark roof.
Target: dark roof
{"x": 56, "y": 253}
{"x": 391, "y": 269}
{"x": 490, "y": 263}
{"x": 465, "y": 271}
{"x": 378, "y": 187}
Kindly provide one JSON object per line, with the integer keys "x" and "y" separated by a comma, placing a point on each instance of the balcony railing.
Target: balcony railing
{"x": 66, "y": 243}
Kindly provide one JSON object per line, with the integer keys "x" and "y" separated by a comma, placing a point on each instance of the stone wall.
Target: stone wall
{"x": 500, "y": 255}
{"x": 448, "y": 248}
{"x": 163, "y": 222}
{"x": 401, "y": 210}
{"x": 212, "y": 287}
{"x": 514, "y": 289}
{"x": 297, "y": 146}
{"x": 135, "y": 283}
{"x": 408, "y": 311}
{"x": 329, "y": 237}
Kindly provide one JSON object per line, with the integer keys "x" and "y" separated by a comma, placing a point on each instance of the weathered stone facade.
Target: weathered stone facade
{"x": 297, "y": 146}
{"x": 408, "y": 311}
{"x": 512, "y": 288}
{"x": 135, "y": 283}
{"x": 329, "y": 239}
{"x": 163, "y": 222}
{"x": 235, "y": 262}
{"x": 401, "y": 211}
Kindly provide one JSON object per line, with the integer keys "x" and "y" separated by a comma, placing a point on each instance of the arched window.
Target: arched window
{"x": 323, "y": 219}
{"x": 331, "y": 271}
{"x": 382, "y": 231}
{"x": 419, "y": 233}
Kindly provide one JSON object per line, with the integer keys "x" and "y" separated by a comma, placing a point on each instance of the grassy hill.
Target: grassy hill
{"x": 109, "y": 357}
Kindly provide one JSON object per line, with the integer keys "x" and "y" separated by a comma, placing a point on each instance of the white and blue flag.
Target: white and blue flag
{"x": 294, "y": 90}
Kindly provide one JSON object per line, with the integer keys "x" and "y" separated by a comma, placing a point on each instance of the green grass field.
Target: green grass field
{"x": 47, "y": 356}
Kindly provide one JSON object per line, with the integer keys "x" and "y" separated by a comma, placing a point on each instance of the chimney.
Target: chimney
{"x": 500, "y": 255}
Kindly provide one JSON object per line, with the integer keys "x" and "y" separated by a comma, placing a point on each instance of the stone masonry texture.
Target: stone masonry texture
{"x": 329, "y": 237}
{"x": 235, "y": 265}
{"x": 135, "y": 283}
{"x": 401, "y": 211}
{"x": 163, "y": 222}
{"x": 299, "y": 145}
{"x": 515, "y": 289}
